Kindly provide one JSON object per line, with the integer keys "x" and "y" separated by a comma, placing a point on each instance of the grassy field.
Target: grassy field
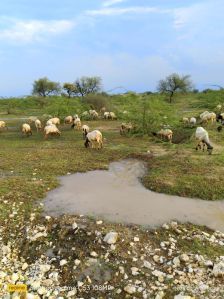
{"x": 30, "y": 166}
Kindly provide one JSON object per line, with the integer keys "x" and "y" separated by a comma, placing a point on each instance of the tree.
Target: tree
{"x": 70, "y": 88}
{"x": 174, "y": 83}
{"x": 87, "y": 85}
{"x": 45, "y": 87}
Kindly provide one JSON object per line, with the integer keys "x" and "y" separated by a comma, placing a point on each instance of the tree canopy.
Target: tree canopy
{"x": 87, "y": 85}
{"x": 174, "y": 83}
{"x": 44, "y": 87}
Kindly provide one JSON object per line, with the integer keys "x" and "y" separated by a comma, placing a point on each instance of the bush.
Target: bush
{"x": 97, "y": 101}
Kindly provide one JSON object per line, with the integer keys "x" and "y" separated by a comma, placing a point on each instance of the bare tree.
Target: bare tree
{"x": 174, "y": 83}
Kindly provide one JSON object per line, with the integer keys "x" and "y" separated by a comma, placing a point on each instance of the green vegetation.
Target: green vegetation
{"x": 194, "y": 170}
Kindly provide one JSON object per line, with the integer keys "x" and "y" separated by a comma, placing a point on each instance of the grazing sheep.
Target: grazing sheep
{"x": 201, "y": 135}
{"x": 75, "y": 116}
{"x": 113, "y": 116}
{"x": 220, "y": 117}
{"x": 26, "y": 130}
{"x": 109, "y": 115}
{"x": 3, "y": 125}
{"x": 125, "y": 127}
{"x": 93, "y": 114}
{"x": 77, "y": 123}
{"x": 68, "y": 119}
{"x": 38, "y": 125}
{"x": 85, "y": 131}
{"x": 106, "y": 115}
{"x": 208, "y": 116}
{"x": 32, "y": 119}
{"x": 51, "y": 130}
{"x": 193, "y": 121}
{"x": 164, "y": 134}
{"x": 95, "y": 139}
{"x": 185, "y": 120}
{"x": 219, "y": 107}
{"x": 54, "y": 121}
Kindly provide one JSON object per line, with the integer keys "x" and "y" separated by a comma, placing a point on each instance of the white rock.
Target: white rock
{"x": 24, "y": 266}
{"x": 111, "y": 238}
{"x": 134, "y": 271}
{"x": 15, "y": 277}
{"x": 176, "y": 262}
{"x": 136, "y": 239}
{"x": 72, "y": 293}
{"x": 218, "y": 269}
{"x": 74, "y": 225}
{"x": 130, "y": 289}
{"x": 63, "y": 262}
{"x": 184, "y": 257}
{"x": 147, "y": 265}
{"x": 160, "y": 295}
{"x": 99, "y": 222}
{"x": 93, "y": 254}
{"x": 45, "y": 268}
{"x": 77, "y": 262}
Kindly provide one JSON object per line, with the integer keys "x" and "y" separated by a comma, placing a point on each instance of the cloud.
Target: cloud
{"x": 126, "y": 10}
{"x": 25, "y": 31}
{"x": 112, "y": 2}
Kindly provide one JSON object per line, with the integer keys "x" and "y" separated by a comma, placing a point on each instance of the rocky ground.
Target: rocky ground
{"x": 79, "y": 257}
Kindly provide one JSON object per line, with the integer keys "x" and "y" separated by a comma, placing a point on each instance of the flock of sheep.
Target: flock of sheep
{"x": 94, "y": 139}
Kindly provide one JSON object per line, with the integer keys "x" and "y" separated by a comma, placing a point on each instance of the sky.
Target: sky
{"x": 128, "y": 43}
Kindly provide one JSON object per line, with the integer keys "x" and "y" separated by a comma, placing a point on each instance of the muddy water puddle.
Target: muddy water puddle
{"x": 117, "y": 195}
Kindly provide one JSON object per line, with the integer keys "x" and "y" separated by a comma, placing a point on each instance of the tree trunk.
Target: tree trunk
{"x": 171, "y": 95}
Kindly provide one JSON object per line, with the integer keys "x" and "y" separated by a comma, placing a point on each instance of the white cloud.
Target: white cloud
{"x": 126, "y": 10}
{"x": 112, "y": 2}
{"x": 34, "y": 30}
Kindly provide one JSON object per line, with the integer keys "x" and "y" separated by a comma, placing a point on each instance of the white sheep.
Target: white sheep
{"x": 38, "y": 124}
{"x": 193, "y": 121}
{"x": 125, "y": 127}
{"x": 85, "y": 131}
{"x": 51, "y": 130}
{"x": 201, "y": 135}
{"x": 3, "y": 125}
{"x": 164, "y": 134}
{"x": 219, "y": 107}
{"x": 54, "y": 121}
{"x": 93, "y": 114}
{"x": 112, "y": 116}
{"x": 26, "y": 129}
{"x": 208, "y": 116}
{"x": 109, "y": 115}
{"x": 68, "y": 119}
{"x": 185, "y": 120}
{"x": 77, "y": 123}
{"x": 95, "y": 139}
{"x": 106, "y": 115}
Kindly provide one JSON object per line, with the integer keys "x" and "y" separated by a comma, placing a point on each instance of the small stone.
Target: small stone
{"x": 24, "y": 266}
{"x": 130, "y": 289}
{"x": 111, "y": 238}
{"x": 136, "y": 239}
{"x": 93, "y": 254}
{"x": 63, "y": 262}
{"x": 184, "y": 258}
{"x": 218, "y": 269}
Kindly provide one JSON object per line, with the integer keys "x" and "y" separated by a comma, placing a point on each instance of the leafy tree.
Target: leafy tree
{"x": 174, "y": 83}
{"x": 87, "y": 85}
{"x": 44, "y": 87}
{"x": 70, "y": 88}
